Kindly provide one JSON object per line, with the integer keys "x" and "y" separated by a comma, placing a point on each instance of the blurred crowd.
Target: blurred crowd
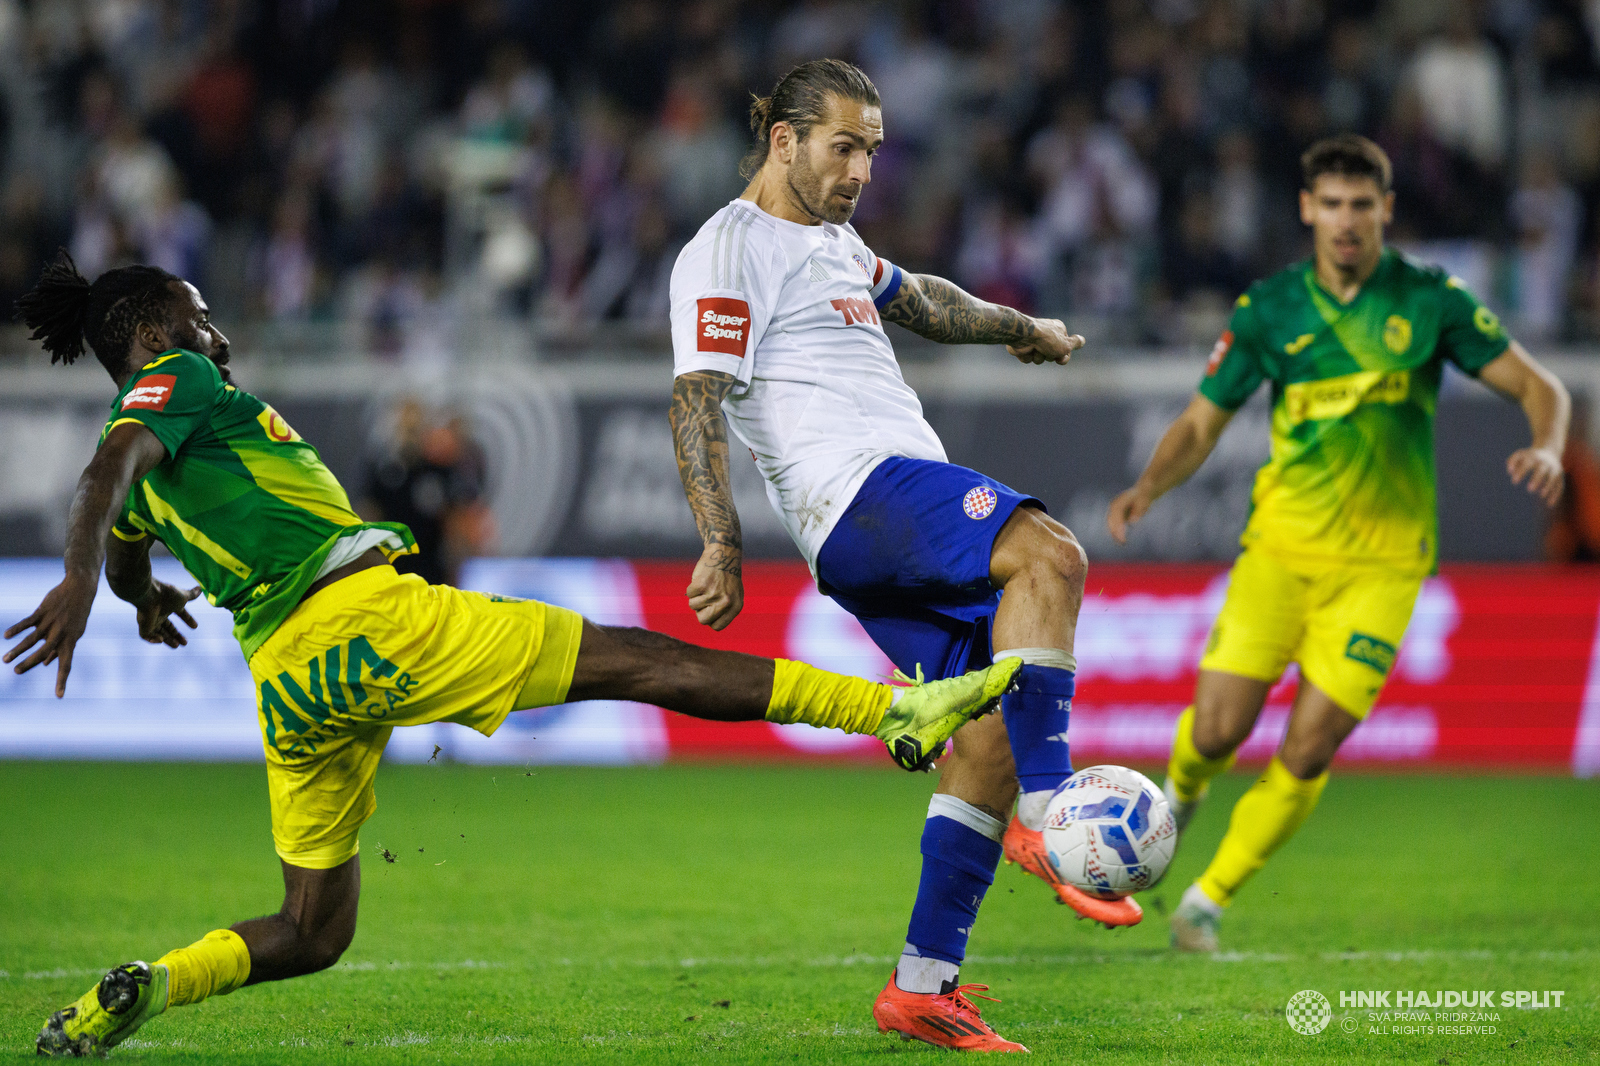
{"x": 408, "y": 165}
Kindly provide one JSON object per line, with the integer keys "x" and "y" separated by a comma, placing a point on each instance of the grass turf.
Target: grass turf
{"x": 751, "y": 914}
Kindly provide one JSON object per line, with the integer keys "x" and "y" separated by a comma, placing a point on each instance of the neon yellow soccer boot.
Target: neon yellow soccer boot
{"x": 103, "y": 1017}
{"x": 917, "y": 725}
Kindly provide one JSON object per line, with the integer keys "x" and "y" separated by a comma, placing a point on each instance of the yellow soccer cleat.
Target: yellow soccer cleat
{"x": 916, "y": 727}
{"x": 103, "y": 1017}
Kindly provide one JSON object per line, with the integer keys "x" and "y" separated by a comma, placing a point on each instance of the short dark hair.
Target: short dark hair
{"x": 64, "y": 310}
{"x": 801, "y": 98}
{"x": 1348, "y": 154}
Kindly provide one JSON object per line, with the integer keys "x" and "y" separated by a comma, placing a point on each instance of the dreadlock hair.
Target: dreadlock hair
{"x": 64, "y": 309}
{"x": 801, "y": 98}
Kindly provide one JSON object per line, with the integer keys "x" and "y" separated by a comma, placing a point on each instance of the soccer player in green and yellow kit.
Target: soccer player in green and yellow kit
{"x": 1344, "y": 525}
{"x": 341, "y": 647}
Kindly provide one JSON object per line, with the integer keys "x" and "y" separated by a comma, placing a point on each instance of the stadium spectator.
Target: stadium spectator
{"x": 1461, "y": 82}
{"x": 1548, "y": 216}
{"x": 1074, "y": 138}
{"x": 432, "y": 478}
{"x": 1574, "y": 532}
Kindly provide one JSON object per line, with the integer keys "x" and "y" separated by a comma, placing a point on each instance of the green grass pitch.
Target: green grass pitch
{"x": 751, "y": 914}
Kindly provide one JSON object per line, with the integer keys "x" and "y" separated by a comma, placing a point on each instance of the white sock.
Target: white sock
{"x": 943, "y": 806}
{"x": 1031, "y": 807}
{"x": 1195, "y": 896}
{"x": 918, "y": 973}
{"x": 1059, "y": 658}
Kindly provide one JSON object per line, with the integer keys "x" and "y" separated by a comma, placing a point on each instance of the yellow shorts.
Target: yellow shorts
{"x": 1342, "y": 624}
{"x": 376, "y": 650}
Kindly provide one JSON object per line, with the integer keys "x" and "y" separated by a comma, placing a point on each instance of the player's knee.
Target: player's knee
{"x": 1071, "y": 561}
{"x": 1219, "y": 730}
{"x": 325, "y": 947}
{"x": 1307, "y": 760}
{"x": 1055, "y": 556}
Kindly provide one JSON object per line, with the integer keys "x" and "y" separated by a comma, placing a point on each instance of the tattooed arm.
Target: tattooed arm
{"x": 934, "y": 308}
{"x": 700, "y": 437}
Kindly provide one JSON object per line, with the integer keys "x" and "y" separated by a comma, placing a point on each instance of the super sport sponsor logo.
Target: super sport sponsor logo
{"x": 724, "y": 325}
{"x": 151, "y": 393}
{"x": 1219, "y": 351}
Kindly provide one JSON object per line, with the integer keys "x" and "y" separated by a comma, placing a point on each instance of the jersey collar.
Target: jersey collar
{"x": 1325, "y": 299}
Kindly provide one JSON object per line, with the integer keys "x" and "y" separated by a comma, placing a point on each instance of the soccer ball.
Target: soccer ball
{"x": 1109, "y": 832}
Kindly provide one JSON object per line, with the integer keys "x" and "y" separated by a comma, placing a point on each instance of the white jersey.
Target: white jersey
{"x": 791, "y": 311}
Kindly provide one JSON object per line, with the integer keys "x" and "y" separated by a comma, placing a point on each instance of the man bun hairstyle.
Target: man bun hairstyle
{"x": 64, "y": 310}
{"x": 1350, "y": 155}
{"x": 801, "y": 99}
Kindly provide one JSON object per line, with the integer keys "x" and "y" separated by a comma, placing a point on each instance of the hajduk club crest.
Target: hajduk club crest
{"x": 979, "y": 502}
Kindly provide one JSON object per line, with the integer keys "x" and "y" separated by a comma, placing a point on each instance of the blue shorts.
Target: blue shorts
{"x": 910, "y": 559}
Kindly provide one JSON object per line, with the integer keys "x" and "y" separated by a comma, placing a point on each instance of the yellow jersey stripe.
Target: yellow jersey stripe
{"x": 310, "y": 488}
{"x": 164, "y": 512}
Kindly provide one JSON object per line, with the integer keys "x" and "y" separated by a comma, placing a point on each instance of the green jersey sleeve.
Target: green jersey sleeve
{"x": 171, "y": 397}
{"x": 128, "y": 527}
{"x": 1235, "y": 369}
{"x": 1470, "y": 335}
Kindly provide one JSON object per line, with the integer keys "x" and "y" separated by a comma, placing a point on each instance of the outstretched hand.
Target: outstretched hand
{"x": 1129, "y": 506}
{"x": 57, "y": 624}
{"x": 1541, "y": 468}
{"x": 1051, "y": 343}
{"x": 155, "y": 623}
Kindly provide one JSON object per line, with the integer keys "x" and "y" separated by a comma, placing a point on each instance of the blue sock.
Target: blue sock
{"x": 1036, "y": 722}
{"x": 960, "y": 850}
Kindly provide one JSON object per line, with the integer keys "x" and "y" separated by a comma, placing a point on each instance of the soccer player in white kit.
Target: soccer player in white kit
{"x": 777, "y": 312}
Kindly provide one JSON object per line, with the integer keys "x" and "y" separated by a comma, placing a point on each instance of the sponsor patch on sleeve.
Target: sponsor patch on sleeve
{"x": 723, "y": 325}
{"x": 1219, "y": 352}
{"x": 151, "y": 393}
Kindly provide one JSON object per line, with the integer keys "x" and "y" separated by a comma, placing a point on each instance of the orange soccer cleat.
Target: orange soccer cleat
{"x": 1025, "y": 847}
{"x": 943, "y": 1019}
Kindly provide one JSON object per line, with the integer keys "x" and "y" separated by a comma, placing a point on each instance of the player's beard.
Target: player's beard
{"x": 807, "y": 188}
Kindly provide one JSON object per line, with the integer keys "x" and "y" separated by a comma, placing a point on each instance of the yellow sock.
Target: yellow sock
{"x": 802, "y": 693}
{"x": 1190, "y": 771}
{"x": 212, "y": 966}
{"x": 1263, "y": 820}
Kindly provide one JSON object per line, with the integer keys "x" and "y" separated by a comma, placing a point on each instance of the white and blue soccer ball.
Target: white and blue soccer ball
{"x": 1108, "y": 831}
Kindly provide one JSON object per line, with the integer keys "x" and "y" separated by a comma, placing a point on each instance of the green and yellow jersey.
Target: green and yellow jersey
{"x": 244, "y": 504}
{"x": 1354, "y": 390}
